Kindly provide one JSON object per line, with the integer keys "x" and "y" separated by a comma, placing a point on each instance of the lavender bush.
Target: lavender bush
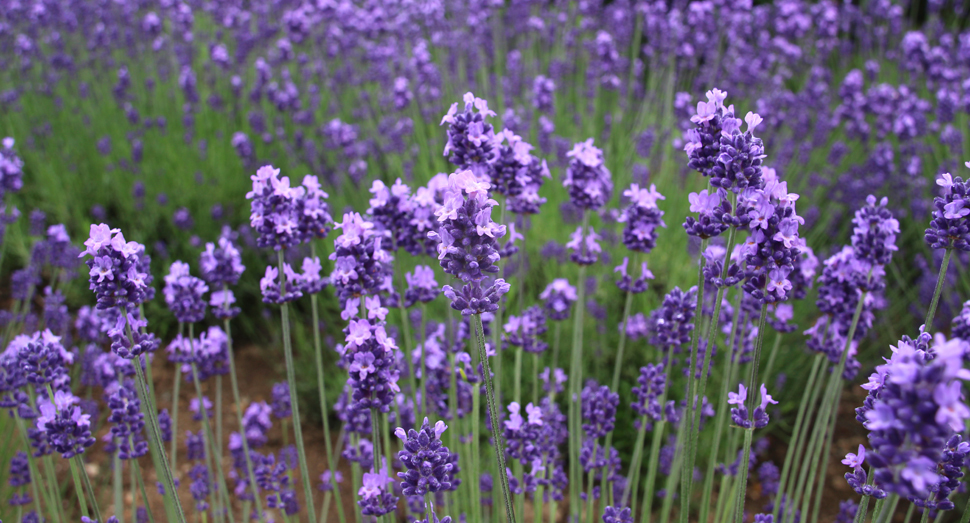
{"x": 538, "y": 351}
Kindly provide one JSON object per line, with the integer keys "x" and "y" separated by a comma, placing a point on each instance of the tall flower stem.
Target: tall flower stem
{"x": 423, "y": 410}
{"x": 656, "y": 440}
{"x": 406, "y": 329}
{"x": 575, "y": 384}
{"x": 233, "y": 380}
{"x": 79, "y": 490}
{"x": 324, "y": 410}
{"x": 86, "y": 481}
{"x": 476, "y": 469}
{"x": 823, "y": 461}
{"x": 175, "y": 403}
{"x": 752, "y": 386}
{"x": 35, "y": 474}
{"x": 291, "y": 379}
{"x": 938, "y": 291}
{"x": 221, "y": 496}
{"x": 721, "y": 418}
{"x": 172, "y": 502}
{"x": 686, "y": 474}
{"x": 830, "y": 398}
{"x": 615, "y": 384}
{"x": 492, "y": 412}
{"x": 117, "y": 486}
{"x": 805, "y": 406}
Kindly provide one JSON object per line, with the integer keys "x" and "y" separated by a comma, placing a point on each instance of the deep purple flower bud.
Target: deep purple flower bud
{"x": 257, "y": 422}
{"x": 165, "y": 425}
{"x": 371, "y": 357}
{"x": 471, "y": 140}
{"x": 327, "y": 481}
{"x": 195, "y": 445}
{"x": 515, "y": 172}
{"x": 587, "y": 179}
{"x": 422, "y": 286}
{"x": 19, "y": 478}
{"x": 42, "y": 357}
{"x": 960, "y": 328}
{"x": 11, "y": 168}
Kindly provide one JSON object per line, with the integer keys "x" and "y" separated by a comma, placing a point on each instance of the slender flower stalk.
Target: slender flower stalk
{"x": 291, "y": 381}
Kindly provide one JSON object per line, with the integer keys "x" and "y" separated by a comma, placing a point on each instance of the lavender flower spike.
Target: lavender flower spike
{"x": 468, "y": 244}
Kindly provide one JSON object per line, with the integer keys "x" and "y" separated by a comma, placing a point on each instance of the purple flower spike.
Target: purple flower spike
{"x": 471, "y": 140}
{"x": 468, "y": 244}
{"x": 950, "y": 226}
{"x": 588, "y": 180}
{"x": 559, "y": 297}
{"x": 184, "y": 294}
{"x": 426, "y": 460}
{"x": 422, "y": 286}
{"x": 376, "y": 493}
{"x": 642, "y": 218}
{"x": 63, "y": 426}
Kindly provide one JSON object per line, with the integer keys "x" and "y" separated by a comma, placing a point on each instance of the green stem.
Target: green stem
{"x": 117, "y": 487}
{"x": 492, "y": 412}
{"x": 771, "y": 357}
{"x": 720, "y": 420}
{"x": 909, "y": 513}
{"x": 752, "y": 384}
{"x": 615, "y": 384}
{"x": 809, "y": 397}
{"x": 635, "y": 462}
{"x": 939, "y": 290}
{"x": 687, "y": 475}
{"x": 79, "y": 490}
{"x": 175, "y": 411}
{"x": 656, "y": 441}
{"x": 35, "y": 474}
{"x": 575, "y": 383}
{"x": 234, "y": 381}
{"x": 823, "y": 461}
{"x": 889, "y": 508}
{"x": 406, "y": 329}
{"x": 86, "y": 482}
{"x": 325, "y": 411}
{"x": 295, "y": 402}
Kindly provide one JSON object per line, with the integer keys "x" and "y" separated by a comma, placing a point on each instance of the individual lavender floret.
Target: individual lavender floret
{"x": 119, "y": 274}
{"x": 468, "y": 244}
{"x": 543, "y": 93}
{"x": 128, "y": 421}
{"x": 19, "y": 478}
{"x": 739, "y": 414}
{"x": 257, "y": 422}
{"x": 950, "y": 226}
{"x": 642, "y": 218}
{"x": 277, "y": 289}
{"x": 558, "y": 297}
{"x": 328, "y": 481}
{"x": 184, "y": 293}
{"x": 587, "y": 179}
{"x": 915, "y": 406}
{"x": 426, "y": 460}
{"x": 584, "y": 248}
{"x": 524, "y": 331}
{"x": 376, "y": 494}
{"x": 874, "y": 232}
{"x": 671, "y": 324}
{"x": 63, "y": 426}
{"x": 280, "y": 402}
{"x": 626, "y": 283}
{"x": 471, "y": 140}
{"x": 422, "y": 286}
